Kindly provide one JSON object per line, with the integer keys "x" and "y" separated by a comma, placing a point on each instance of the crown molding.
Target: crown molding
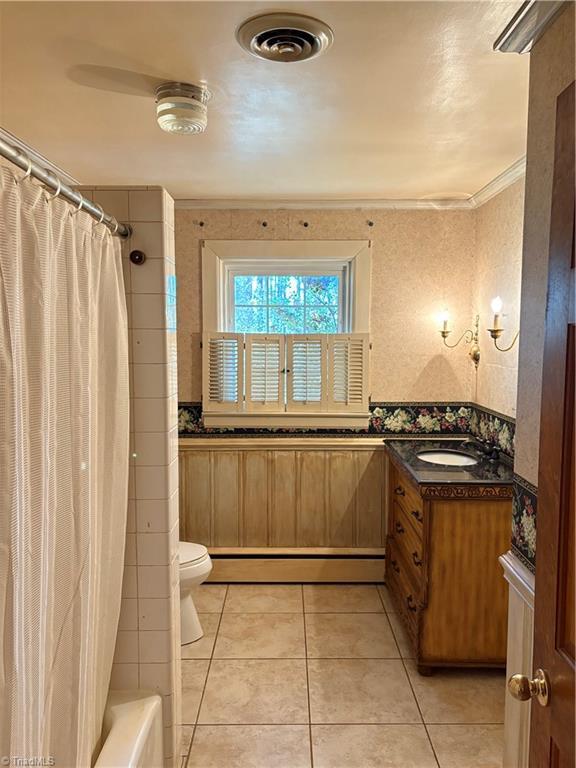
{"x": 38, "y": 158}
{"x": 498, "y": 184}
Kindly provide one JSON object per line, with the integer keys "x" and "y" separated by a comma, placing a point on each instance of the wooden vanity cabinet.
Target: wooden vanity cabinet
{"x": 442, "y": 569}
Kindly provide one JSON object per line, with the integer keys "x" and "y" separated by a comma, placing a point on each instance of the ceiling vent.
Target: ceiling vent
{"x": 182, "y": 108}
{"x": 285, "y": 37}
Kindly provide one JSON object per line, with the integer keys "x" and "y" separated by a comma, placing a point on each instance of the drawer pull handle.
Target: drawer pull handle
{"x": 417, "y": 514}
{"x": 394, "y": 565}
{"x": 399, "y": 527}
{"x": 416, "y": 559}
{"x": 410, "y": 603}
{"x": 399, "y": 491}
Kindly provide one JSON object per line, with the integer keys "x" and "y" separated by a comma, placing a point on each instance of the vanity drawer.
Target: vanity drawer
{"x": 409, "y": 499}
{"x": 403, "y": 592}
{"x": 408, "y": 540}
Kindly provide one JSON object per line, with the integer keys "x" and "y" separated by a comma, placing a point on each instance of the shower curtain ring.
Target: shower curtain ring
{"x": 78, "y": 207}
{"x": 101, "y": 210}
{"x": 54, "y": 195}
{"x": 27, "y": 174}
{"x": 116, "y": 225}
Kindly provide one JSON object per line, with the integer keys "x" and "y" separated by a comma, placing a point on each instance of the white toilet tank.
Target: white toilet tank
{"x": 132, "y": 731}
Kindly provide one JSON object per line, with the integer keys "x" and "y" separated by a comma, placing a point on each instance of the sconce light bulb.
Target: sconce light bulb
{"x": 496, "y": 305}
{"x": 444, "y": 316}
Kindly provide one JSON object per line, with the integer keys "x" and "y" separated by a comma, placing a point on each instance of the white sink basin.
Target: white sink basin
{"x": 448, "y": 458}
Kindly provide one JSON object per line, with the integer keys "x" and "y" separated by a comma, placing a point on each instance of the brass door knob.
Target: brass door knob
{"x": 523, "y": 689}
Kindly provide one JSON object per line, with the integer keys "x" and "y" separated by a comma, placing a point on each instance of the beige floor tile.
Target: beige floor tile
{"x": 459, "y": 696}
{"x": 209, "y": 598}
{"x": 202, "y": 649}
{"x": 372, "y": 746}
{"x": 193, "y": 679}
{"x": 350, "y": 635}
{"x": 264, "y": 598}
{"x": 255, "y": 692}
{"x": 360, "y": 691}
{"x": 386, "y": 598}
{"x": 469, "y": 746}
{"x": 260, "y": 636}
{"x": 345, "y": 598}
{"x": 401, "y": 636}
{"x": 255, "y": 746}
{"x": 186, "y": 740}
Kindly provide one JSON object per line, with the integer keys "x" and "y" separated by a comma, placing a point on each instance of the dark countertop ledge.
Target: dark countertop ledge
{"x": 484, "y": 473}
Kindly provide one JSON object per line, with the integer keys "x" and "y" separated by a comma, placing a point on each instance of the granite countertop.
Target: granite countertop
{"x": 486, "y": 472}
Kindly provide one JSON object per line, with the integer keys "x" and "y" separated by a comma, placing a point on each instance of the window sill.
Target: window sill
{"x": 287, "y": 420}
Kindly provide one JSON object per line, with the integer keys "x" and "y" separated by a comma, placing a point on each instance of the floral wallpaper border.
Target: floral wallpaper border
{"x": 385, "y": 419}
{"x": 524, "y": 509}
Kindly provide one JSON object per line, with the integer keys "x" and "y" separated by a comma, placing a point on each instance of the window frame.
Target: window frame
{"x": 221, "y": 257}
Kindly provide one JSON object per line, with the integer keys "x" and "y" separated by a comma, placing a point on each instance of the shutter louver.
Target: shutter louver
{"x": 306, "y": 373}
{"x": 223, "y": 357}
{"x": 348, "y": 372}
{"x": 264, "y": 372}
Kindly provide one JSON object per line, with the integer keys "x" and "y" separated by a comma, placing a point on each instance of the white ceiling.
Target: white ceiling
{"x": 409, "y": 103}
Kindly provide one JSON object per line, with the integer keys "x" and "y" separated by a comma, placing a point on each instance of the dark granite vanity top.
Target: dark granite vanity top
{"x": 486, "y": 472}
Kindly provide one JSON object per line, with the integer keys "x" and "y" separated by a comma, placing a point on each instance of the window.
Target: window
{"x": 286, "y": 303}
{"x": 285, "y": 333}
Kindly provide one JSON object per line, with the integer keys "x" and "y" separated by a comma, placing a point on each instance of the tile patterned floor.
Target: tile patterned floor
{"x": 301, "y": 676}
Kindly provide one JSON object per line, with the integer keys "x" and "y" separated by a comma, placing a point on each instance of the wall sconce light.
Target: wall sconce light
{"x": 469, "y": 336}
{"x": 496, "y": 331}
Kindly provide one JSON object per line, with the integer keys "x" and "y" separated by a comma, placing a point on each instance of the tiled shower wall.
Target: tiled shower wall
{"x": 148, "y": 645}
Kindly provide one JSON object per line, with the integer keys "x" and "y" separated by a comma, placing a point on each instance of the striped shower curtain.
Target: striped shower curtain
{"x": 63, "y": 473}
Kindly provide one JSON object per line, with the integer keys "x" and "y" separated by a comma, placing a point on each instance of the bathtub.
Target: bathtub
{"x": 132, "y": 731}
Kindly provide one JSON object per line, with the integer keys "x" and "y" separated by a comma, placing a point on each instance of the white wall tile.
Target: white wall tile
{"x": 149, "y": 238}
{"x": 154, "y": 549}
{"x": 155, "y": 677}
{"x": 155, "y": 646}
{"x": 131, "y": 515}
{"x": 124, "y": 677}
{"x": 128, "y": 613}
{"x": 153, "y": 448}
{"x": 154, "y": 516}
{"x": 129, "y": 581}
{"x": 114, "y": 202}
{"x": 150, "y": 346}
{"x": 154, "y": 581}
{"x": 126, "y": 650}
{"x": 152, "y": 415}
{"x": 153, "y": 483}
{"x": 130, "y": 549}
{"x": 149, "y": 310}
{"x": 154, "y": 613}
{"x": 149, "y": 277}
{"x": 146, "y": 205}
{"x": 153, "y": 380}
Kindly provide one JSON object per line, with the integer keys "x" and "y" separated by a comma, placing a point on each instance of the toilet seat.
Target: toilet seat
{"x": 191, "y": 553}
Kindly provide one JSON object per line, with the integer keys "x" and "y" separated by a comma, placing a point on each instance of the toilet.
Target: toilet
{"x": 195, "y": 567}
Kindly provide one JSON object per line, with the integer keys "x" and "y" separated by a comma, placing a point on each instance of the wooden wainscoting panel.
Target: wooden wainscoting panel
{"x": 226, "y": 493}
{"x": 311, "y": 498}
{"x": 196, "y": 497}
{"x": 313, "y": 569}
{"x": 370, "y": 476}
{"x": 341, "y": 506}
{"x": 254, "y": 531}
{"x": 284, "y": 482}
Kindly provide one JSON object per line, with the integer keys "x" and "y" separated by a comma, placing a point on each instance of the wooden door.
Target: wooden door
{"x": 552, "y": 726}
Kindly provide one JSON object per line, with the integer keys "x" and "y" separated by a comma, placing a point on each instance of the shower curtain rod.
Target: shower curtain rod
{"x": 19, "y": 158}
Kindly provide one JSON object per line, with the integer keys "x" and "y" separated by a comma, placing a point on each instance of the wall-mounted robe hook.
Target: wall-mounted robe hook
{"x": 137, "y": 257}
{"x": 264, "y": 223}
{"x": 370, "y": 223}
{"x": 304, "y": 223}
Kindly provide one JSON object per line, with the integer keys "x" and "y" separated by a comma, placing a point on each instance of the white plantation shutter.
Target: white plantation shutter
{"x": 306, "y": 373}
{"x": 347, "y": 382}
{"x": 223, "y": 375}
{"x": 265, "y": 371}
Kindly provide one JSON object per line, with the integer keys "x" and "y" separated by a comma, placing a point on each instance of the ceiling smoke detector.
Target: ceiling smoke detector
{"x": 285, "y": 37}
{"x": 182, "y": 108}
